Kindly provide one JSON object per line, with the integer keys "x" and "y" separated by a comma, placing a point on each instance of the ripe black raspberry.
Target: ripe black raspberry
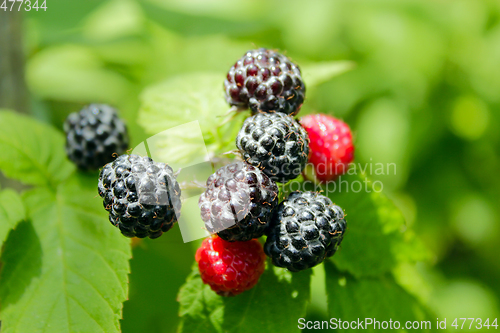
{"x": 305, "y": 229}
{"x": 93, "y": 135}
{"x": 141, "y": 196}
{"x": 276, "y": 144}
{"x": 265, "y": 81}
{"x": 238, "y": 202}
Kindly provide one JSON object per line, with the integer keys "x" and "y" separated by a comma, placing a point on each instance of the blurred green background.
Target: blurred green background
{"x": 425, "y": 94}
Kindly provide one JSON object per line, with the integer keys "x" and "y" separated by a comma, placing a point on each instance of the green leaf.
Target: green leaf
{"x": 378, "y": 298}
{"x": 219, "y": 54}
{"x": 318, "y": 73}
{"x": 74, "y": 73}
{"x": 273, "y": 305}
{"x": 32, "y": 152}
{"x": 190, "y": 22}
{"x": 376, "y": 238}
{"x": 184, "y": 105}
{"x": 11, "y": 212}
{"x": 66, "y": 270}
{"x": 154, "y": 263}
{"x": 114, "y": 19}
{"x": 183, "y": 99}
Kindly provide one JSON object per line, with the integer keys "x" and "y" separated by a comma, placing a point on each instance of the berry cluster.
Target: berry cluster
{"x": 241, "y": 199}
{"x": 141, "y": 196}
{"x": 240, "y": 203}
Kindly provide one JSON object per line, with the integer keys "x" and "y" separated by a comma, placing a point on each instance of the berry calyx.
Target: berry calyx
{"x": 331, "y": 145}
{"x": 230, "y": 268}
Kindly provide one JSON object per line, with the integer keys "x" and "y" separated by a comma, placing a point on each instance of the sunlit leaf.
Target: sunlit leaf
{"x": 182, "y": 100}
{"x": 32, "y": 152}
{"x": 380, "y": 299}
{"x": 11, "y": 212}
{"x": 376, "y": 238}
{"x": 74, "y": 73}
{"x": 65, "y": 270}
{"x": 317, "y": 73}
{"x": 273, "y": 305}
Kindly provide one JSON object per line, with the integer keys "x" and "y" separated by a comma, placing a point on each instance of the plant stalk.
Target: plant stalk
{"x": 13, "y": 94}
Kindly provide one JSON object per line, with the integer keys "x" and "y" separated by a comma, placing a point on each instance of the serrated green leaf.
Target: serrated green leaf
{"x": 376, "y": 238}
{"x": 378, "y": 298}
{"x": 32, "y": 152}
{"x": 66, "y": 270}
{"x": 11, "y": 212}
{"x": 285, "y": 296}
{"x": 182, "y": 100}
{"x": 317, "y": 73}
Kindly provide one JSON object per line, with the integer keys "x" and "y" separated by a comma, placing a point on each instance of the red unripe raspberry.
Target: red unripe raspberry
{"x": 331, "y": 147}
{"x": 230, "y": 268}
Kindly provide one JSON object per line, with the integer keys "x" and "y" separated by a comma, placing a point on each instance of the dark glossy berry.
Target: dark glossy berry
{"x": 265, "y": 81}
{"x": 238, "y": 202}
{"x": 93, "y": 135}
{"x": 275, "y": 143}
{"x": 305, "y": 229}
{"x": 143, "y": 197}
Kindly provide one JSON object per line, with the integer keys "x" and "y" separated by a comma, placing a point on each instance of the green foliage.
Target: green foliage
{"x": 28, "y": 151}
{"x": 199, "y": 97}
{"x": 374, "y": 244}
{"x": 404, "y": 101}
{"x": 77, "y": 75}
{"x": 375, "y": 241}
{"x": 273, "y": 304}
{"x": 11, "y": 212}
{"x": 316, "y": 74}
{"x": 380, "y": 298}
{"x": 164, "y": 263}
{"x": 181, "y": 100}
{"x": 64, "y": 266}
{"x": 190, "y": 24}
